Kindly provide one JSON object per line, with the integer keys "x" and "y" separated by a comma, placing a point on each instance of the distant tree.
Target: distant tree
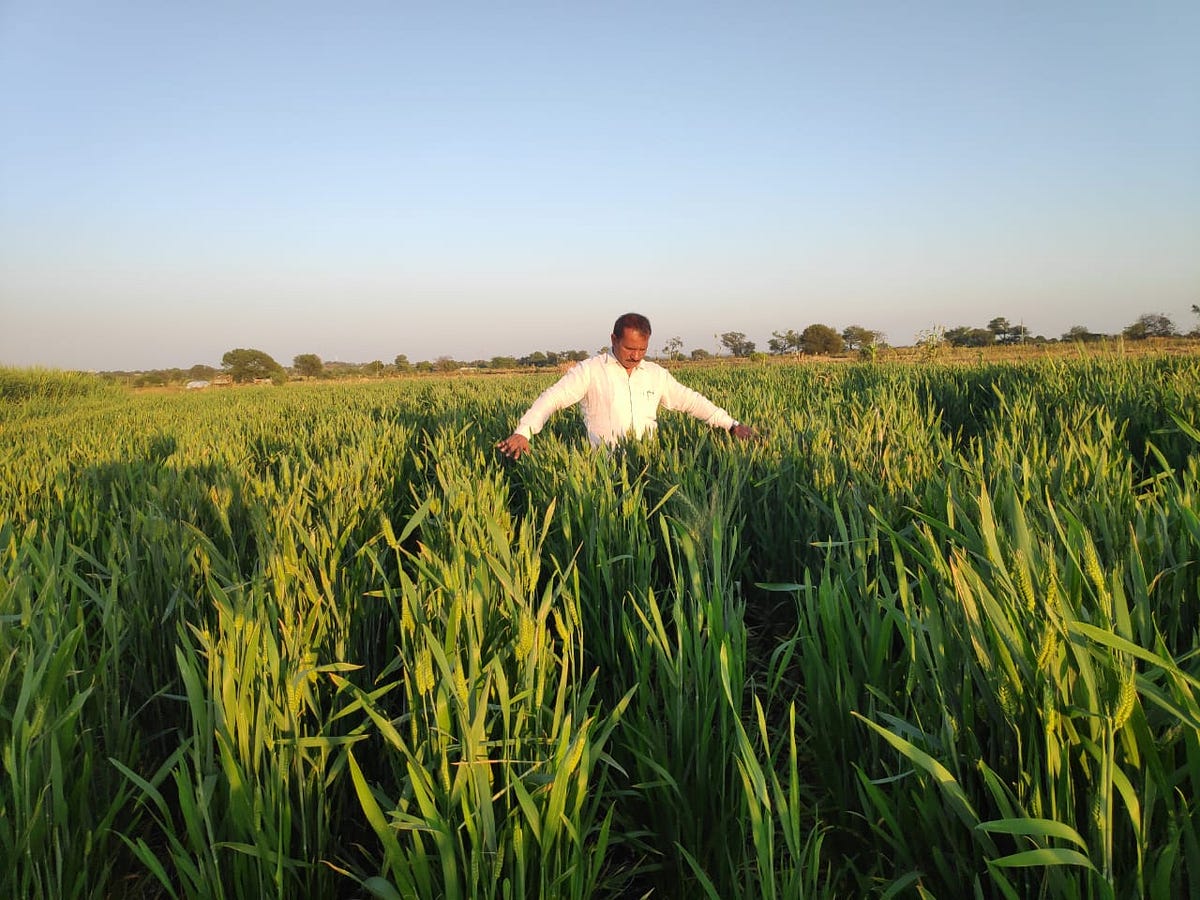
{"x": 673, "y": 349}
{"x": 503, "y": 362}
{"x": 1150, "y": 325}
{"x": 735, "y": 342}
{"x": 424, "y": 366}
{"x": 1000, "y": 328}
{"x": 700, "y": 353}
{"x": 537, "y": 359}
{"x": 401, "y": 363}
{"x": 1135, "y": 332}
{"x": 248, "y": 364}
{"x": 201, "y": 372}
{"x": 1080, "y": 334}
{"x": 970, "y": 337}
{"x": 821, "y": 340}
{"x": 374, "y": 367}
{"x": 1006, "y": 332}
{"x": 955, "y": 336}
{"x": 308, "y": 364}
{"x": 782, "y": 342}
{"x": 574, "y": 355}
{"x": 1195, "y": 332}
{"x": 446, "y": 364}
{"x": 857, "y": 337}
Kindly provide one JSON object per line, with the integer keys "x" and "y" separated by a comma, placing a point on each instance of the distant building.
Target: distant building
{"x": 197, "y": 385}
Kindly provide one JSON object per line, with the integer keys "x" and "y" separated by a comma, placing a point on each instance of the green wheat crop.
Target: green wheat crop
{"x": 937, "y": 633}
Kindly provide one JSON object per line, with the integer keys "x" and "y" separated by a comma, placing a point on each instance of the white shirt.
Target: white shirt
{"x": 617, "y": 403}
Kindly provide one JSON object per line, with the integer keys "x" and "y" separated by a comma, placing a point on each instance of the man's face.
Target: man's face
{"x": 629, "y": 347}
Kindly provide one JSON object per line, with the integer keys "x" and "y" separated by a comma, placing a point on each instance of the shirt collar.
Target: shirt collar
{"x": 613, "y": 361}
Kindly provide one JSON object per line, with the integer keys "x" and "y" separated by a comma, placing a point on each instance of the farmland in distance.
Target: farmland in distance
{"x": 935, "y": 635}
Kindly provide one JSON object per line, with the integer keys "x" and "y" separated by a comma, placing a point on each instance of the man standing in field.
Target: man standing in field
{"x": 620, "y": 392}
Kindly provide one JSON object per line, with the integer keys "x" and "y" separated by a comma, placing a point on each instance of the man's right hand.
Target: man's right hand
{"x": 513, "y": 446}
{"x": 744, "y": 432}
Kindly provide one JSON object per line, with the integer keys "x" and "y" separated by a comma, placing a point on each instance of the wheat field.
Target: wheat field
{"x": 935, "y": 636}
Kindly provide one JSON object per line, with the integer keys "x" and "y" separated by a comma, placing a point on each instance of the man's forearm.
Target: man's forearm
{"x": 684, "y": 399}
{"x": 568, "y": 390}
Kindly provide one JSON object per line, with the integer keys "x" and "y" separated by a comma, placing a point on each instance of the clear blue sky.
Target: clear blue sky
{"x": 361, "y": 179}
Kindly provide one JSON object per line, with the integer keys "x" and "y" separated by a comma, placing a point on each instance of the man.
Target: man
{"x": 620, "y": 392}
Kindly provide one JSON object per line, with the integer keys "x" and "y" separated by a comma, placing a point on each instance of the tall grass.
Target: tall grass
{"x": 324, "y": 642}
{"x": 28, "y": 387}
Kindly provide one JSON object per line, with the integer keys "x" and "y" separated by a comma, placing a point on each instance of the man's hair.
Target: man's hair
{"x": 632, "y": 321}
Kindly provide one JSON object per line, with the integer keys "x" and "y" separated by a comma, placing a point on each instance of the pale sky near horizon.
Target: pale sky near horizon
{"x": 364, "y": 179}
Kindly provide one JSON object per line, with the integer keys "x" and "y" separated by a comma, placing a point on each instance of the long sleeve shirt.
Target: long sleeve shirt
{"x": 616, "y": 403}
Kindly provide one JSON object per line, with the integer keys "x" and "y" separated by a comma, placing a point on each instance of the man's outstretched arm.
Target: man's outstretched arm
{"x": 683, "y": 399}
{"x": 568, "y": 390}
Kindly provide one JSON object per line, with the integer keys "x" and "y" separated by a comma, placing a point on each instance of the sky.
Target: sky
{"x": 473, "y": 179}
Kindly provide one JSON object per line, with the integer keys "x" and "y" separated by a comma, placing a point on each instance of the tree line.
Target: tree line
{"x": 248, "y": 365}
{"x": 1001, "y": 331}
{"x": 824, "y": 340}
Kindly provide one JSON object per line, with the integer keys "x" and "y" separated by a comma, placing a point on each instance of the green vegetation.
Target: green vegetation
{"x": 245, "y": 365}
{"x": 308, "y": 365}
{"x": 1151, "y": 325}
{"x": 936, "y": 636}
{"x": 737, "y": 343}
{"x": 49, "y": 385}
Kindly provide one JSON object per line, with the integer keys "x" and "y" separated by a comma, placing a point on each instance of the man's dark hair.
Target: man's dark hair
{"x": 632, "y": 321}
